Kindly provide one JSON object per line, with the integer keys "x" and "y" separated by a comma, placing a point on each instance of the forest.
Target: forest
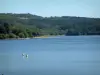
{"x": 26, "y": 25}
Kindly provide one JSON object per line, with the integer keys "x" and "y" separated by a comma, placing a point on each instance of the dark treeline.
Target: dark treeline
{"x": 28, "y": 25}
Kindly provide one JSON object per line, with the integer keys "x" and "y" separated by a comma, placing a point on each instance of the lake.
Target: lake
{"x": 61, "y": 55}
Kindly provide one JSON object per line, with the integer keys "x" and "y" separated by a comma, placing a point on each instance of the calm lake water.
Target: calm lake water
{"x": 62, "y": 55}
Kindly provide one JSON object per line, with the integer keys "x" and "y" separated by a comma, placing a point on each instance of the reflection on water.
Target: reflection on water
{"x": 51, "y": 56}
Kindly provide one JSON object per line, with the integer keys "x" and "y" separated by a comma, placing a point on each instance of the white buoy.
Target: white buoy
{"x": 23, "y": 54}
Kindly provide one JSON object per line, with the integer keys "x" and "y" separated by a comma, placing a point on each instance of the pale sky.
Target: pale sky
{"x": 82, "y": 8}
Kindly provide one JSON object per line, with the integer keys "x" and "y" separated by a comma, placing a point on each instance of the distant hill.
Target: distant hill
{"x": 67, "y": 25}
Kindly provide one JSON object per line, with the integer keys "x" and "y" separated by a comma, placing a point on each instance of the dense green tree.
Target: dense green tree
{"x": 28, "y": 25}
{"x": 2, "y": 29}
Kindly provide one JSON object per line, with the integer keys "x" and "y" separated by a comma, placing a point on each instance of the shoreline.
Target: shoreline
{"x": 44, "y": 36}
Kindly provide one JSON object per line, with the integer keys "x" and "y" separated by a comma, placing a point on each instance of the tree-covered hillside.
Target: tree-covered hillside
{"x": 28, "y": 25}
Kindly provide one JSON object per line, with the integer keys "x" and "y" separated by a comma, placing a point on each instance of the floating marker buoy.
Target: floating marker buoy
{"x": 23, "y": 54}
{"x": 26, "y": 55}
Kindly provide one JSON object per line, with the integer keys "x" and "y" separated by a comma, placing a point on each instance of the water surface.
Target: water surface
{"x": 63, "y": 55}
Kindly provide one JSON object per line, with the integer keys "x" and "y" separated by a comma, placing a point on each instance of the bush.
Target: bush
{"x": 17, "y": 37}
{"x": 21, "y": 35}
{"x": 11, "y": 35}
{"x": 3, "y": 36}
{"x": 26, "y": 34}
